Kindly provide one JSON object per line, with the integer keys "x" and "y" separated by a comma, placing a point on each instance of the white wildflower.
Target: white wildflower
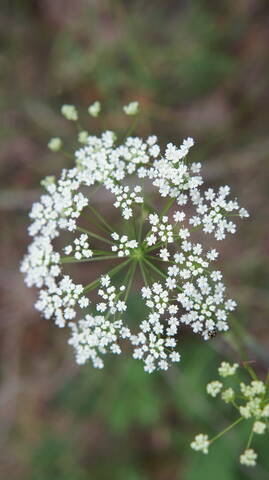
{"x": 248, "y": 458}
{"x": 132, "y": 108}
{"x": 70, "y": 112}
{"x": 83, "y": 136}
{"x": 226, "y": 369}
{"x": 213, "y": 388}
{"x": 187, "y": 291}
{"x": 227, "y": 395}
{"x": 200, "y": 443}
{"x": 94, "y": 109}
{"x": 259, "y": 427}
{"x": 55, "y": 144}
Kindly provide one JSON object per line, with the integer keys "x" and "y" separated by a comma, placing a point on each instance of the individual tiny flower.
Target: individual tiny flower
{"x": 94, "y": 109}
{"x": 226, "y": 369}
{"x": 70, "y": 112}
{"x": 55, "y": 144}
{"x": 83, "y": 136}
{"x": 48, "y": 181}
{"x": 243, "y": 213}
{"x": 200, "y": 443}
{"x": 164, "y": 254}
{"x": 227, "y": 395}
{"x": 214, "y": 388}
{"x": 259, "y": 427}
{"x": 249, "y": 457}
{"x": 132, "y": 108}
{"x": 179, "y": 216}
{"x": 212, "y": 254}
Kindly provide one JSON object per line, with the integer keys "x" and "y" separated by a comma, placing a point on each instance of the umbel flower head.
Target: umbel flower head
{"x": 160, "y": 200}
{"x": 249, "y": 400}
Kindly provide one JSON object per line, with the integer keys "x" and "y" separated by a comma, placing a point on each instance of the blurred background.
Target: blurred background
{"x": 198, "y": 68}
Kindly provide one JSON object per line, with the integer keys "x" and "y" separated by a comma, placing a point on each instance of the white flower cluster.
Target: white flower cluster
{"x": 124, "y": 246}
{"x": 160, "y": 229}
{"x": 125, "y": 199}
{"x": 112, "y": 302}
{"x": 251, "y": 402}
{"x": 94, "y": 109}
{"x": 70, "y": 112}
{"x": 200, "y": 443}
{"x": 81, "y": 248}
{"x": 172, "y": 176}
{"x": 254, "y": 397}
{"x": 132, "y": 108}
{"x": 94, "y": 336}
{"x": 226, "y": 369}
{"x": 59, "y": 300}
{"x": 55, "y": 144}
{"x": 201, "y": 290}
{"x": 249, "y": 457}
{"x": 155, "y": 343}
{"x": 213, "y": 212}
{"x": 213, "y": 388}
{"x": 186, "y": 291}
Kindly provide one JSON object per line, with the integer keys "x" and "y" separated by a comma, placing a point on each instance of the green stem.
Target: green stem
{"x": 101, "y": 218}
{"x": 250, "y": 437}
{"x": 141, "y": 224}
{"x": 130, "y": 281}
{"x": 250, "y": 370}
{"x": 156, "y": 269}
{"x": 131, "y": 128}
{"x": 244, "y": 337}
{"x": 227, "y": 429}
{"x": 66, "y": 154}
{"x": 102, "y": 252}
{"x": 96, "y": 189}
{"x": 154, "y": 247}
{"x": 94, "y": 235}
{"x": 143, "y": 272}
{"x": 235, "y": 332}
{"x": 167, "y": 206}
{"x": 135, "y": 228}
{"x": 111, "y": 272}
{"x": 91, "y": 259}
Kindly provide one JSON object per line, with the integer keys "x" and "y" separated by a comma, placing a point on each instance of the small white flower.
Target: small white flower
{"x": 226, "y": 369}
{"x": 248, "y": 458}
{"x": 259, "y": 427}
{"x": 70, "y": 112}
{"x": 227, "y": 395}
{"x": 179, "y": 216}
{"x": 200, "y": 443}
{"x": 94, "y": 109}
{"x": 214, "y": 388}
{"x": 132, "y": 108}
{"x": 256, "y": 387}
{"x": 212, "y": 254}
{"x": 164, "y": 254}
{"x": 83, "y": 136}
{"x": 55, "y": 144}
